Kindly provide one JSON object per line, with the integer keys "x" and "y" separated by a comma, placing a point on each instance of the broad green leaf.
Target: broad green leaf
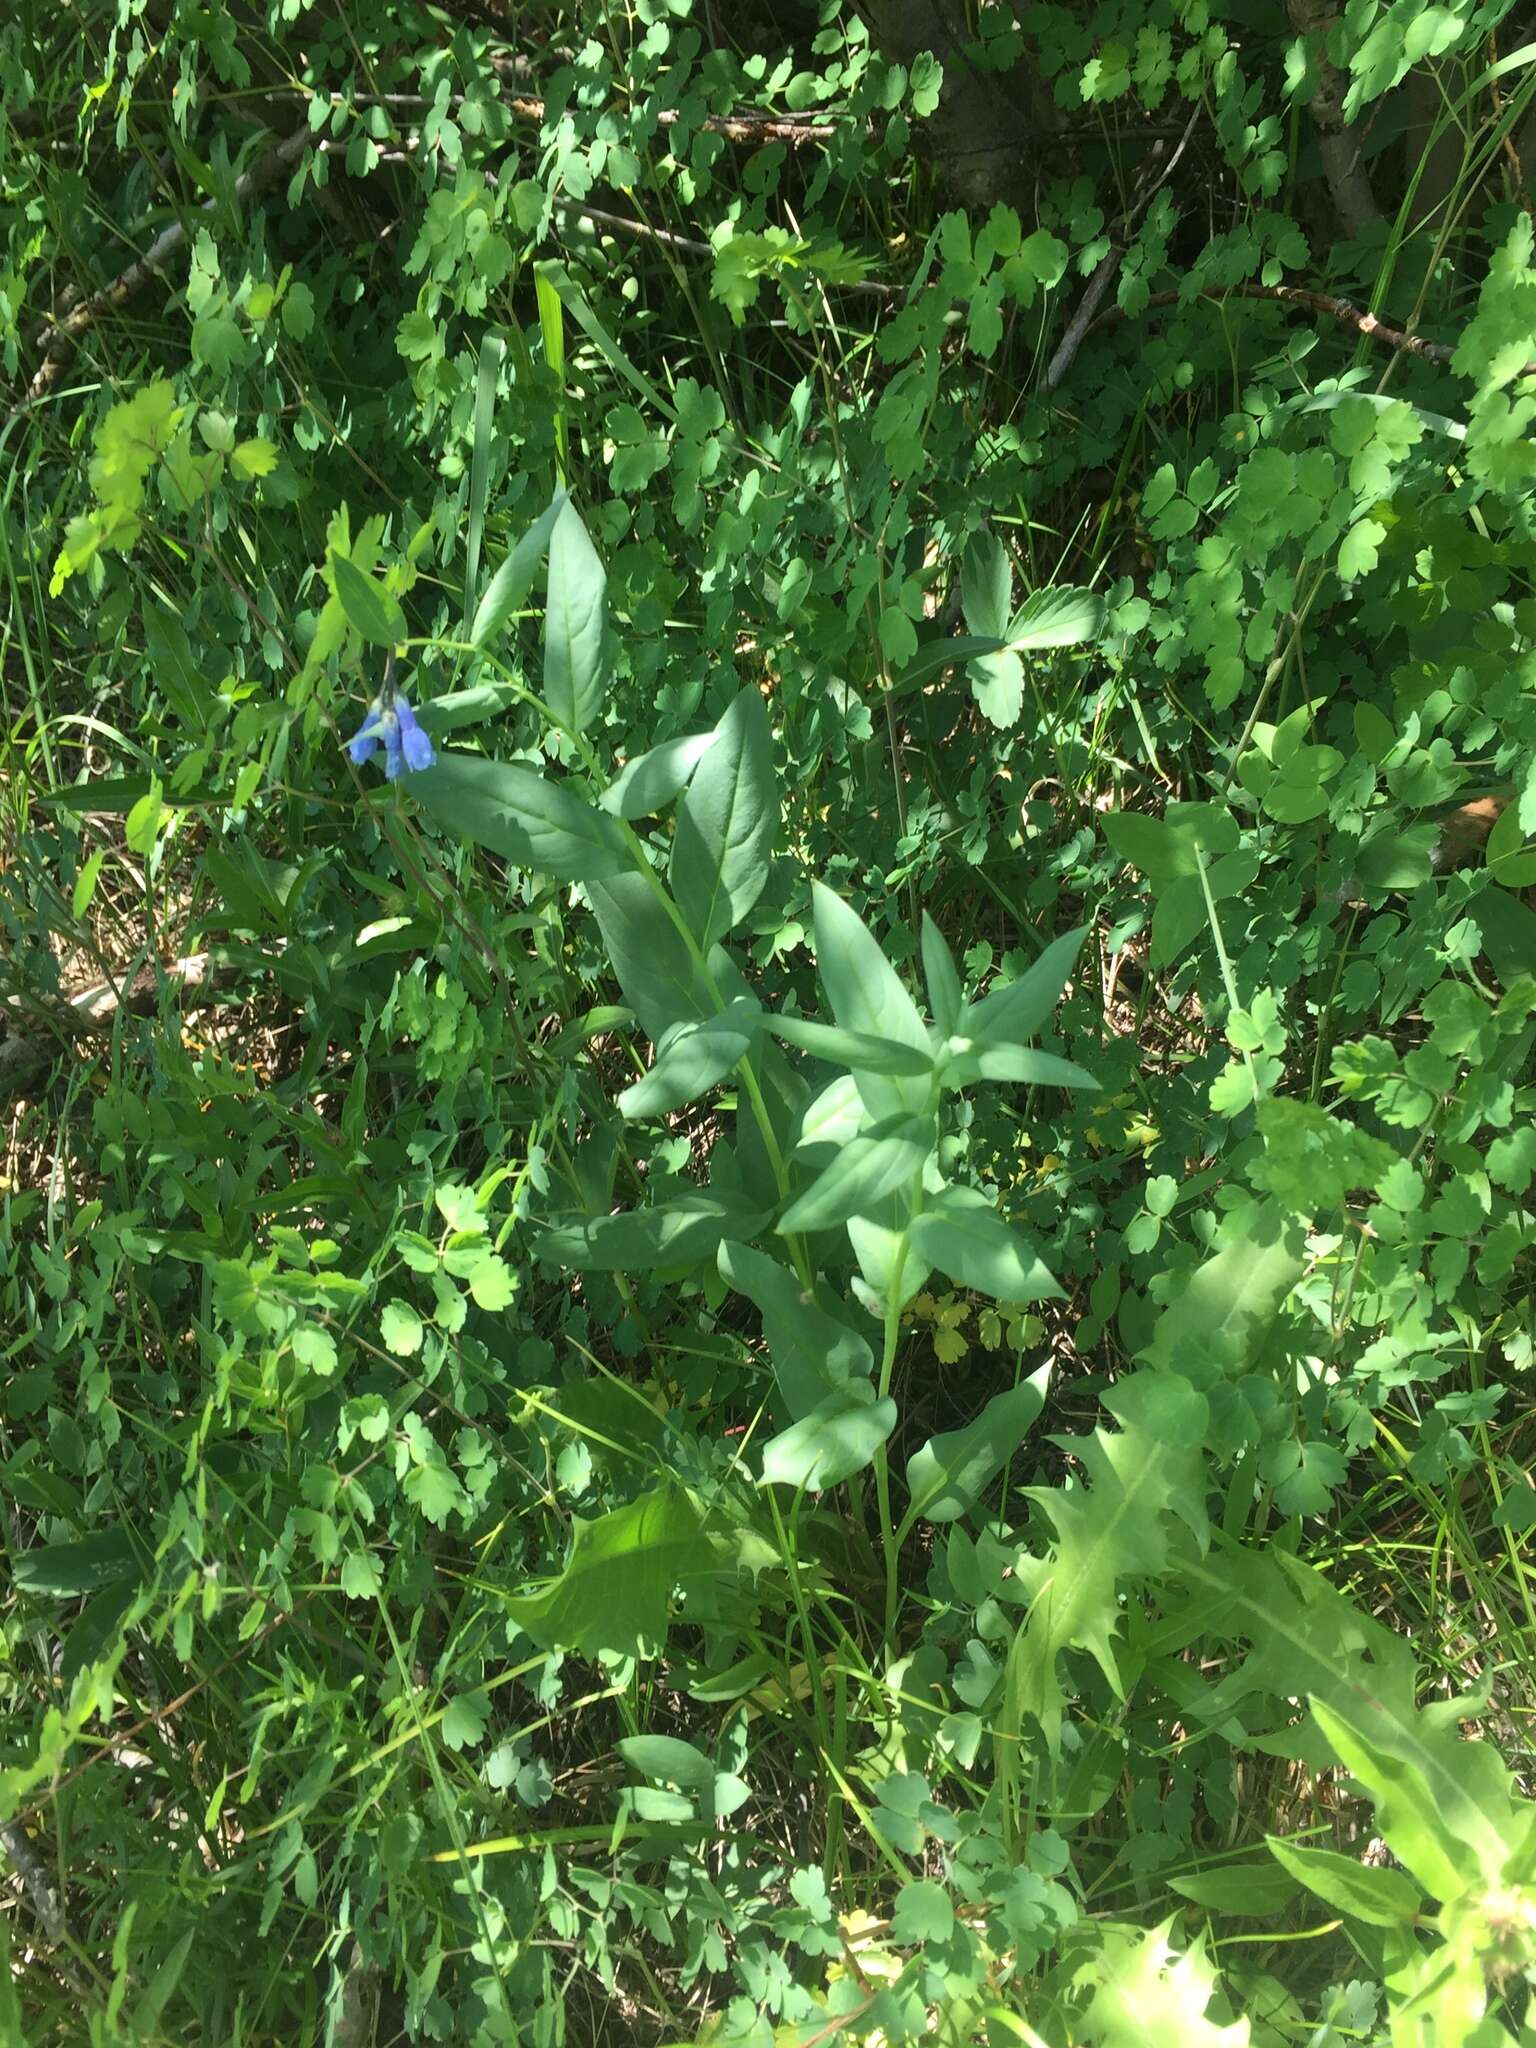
{"x": 726, "y": 824}
{"x": 986, "y": 585}
{"x": 648, "y": 784}
{"x": 867, "y": 996}
{"x": 1251, "y": 1890}
{"x": 853, "y": 1049}
{"x": 1147, "y": 1995}
{"x": 96, "y": 1628}
{"x": 888, "y": 1156}
{"x": 370, "y": 609}
{"x": 474, "y": 706}
{"x": 691, "y": 1057}
{"x": 962, "y": 1235}
{"x": 523, "y": 816}
{"x": 1165, "y": 848}
{"x": 890, "y": 1266}
{"x": 1216, "y": 1323}
{"x": 671, "y": 1235}
{"x": 1398, "y": 856}
{"x": 1011, "y": 1015}
{"x": 997, "y": 684}
{"x": 67, "y": 1570}
{"x": 836, "y": 1115}
{"x": 1445, "y": 1806}
{"x": 945, "y": 996}
{"x": 665, "y": 1757}
{"x": 924, "y": 1911}
{"x": 663, "y": 980}
{"x": 573, "y": 624}
{"x": 1382, "y": 1898}
{"x": 507, "y": 591}
{"x": 813, "y": 1352}
{"x": 1510, "y": 861}
{"x": 1056, "y": 618}
{"x": 947, "y": 1477}
{"x": 613, "y": 1592}
{"x": 837, "y": 1439}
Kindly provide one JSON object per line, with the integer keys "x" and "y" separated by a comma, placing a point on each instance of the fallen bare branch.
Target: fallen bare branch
{"x": 58, "y": 340}
{"x": 91, "y": 1012}
{"x": 1318, "y": 302}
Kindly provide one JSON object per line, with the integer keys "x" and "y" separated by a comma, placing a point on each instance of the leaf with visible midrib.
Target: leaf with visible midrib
{"x": 947, "y": 1476}
{"x": 726, "y": 823}
{"x": 523, "y": 816}
{"x": 509, "y": 587}
{"x": 838, "y": 1438}
{"x": 573, "y": 624}
{"x": 613, "y": 1593}
{"x": 369, "y": 607}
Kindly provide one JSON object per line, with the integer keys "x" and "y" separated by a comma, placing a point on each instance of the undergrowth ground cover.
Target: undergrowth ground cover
{"x": 766, "y": 1225}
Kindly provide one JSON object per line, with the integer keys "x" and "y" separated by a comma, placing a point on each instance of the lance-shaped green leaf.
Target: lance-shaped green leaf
{"x": 867, "y": 995}
{"x": 475, "y": 706}
{"x": 691, "y": 1057}
{"x": 888, "y": 1156}
{"x": 507, "y": 591}
{"x": 947, "y": 1477}
{"x": 66, "y": 1570}
{"x": 945, "y": 996}
{"x": 962, "y": 1235}
{"x": 934, "y": 656}
{"x": 726, "y": 824}
{"x": 812, "y": 1351}
{"x": 1013, "y": 1014}
{"x": 838, "y": 1438}
{"x": 669, "y": 1236}
{"x": 573, "y": 624}
{"x": 648, "y": 784}
{"x": 856, "y": 1050}
{"x": 522, "y": 816}
{"x": 1023, "y": 1063}
{"x": 1381, "y": 1898}
{"x": 369, "y": 607}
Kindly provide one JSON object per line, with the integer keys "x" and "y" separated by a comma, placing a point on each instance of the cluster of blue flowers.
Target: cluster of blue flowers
{"x": 394, "y": 726}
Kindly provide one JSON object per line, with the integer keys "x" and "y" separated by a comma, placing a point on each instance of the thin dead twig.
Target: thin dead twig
{"x": 1357, "y": 317}
{"x": 58, "y": 340}
{"x": 1083, "y": 319}
{"x": 92, "y": 1011}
